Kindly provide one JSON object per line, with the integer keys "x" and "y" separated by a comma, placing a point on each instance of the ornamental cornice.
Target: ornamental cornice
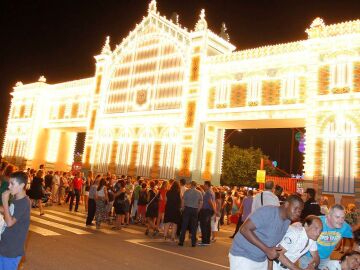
{"x": 321, "y": 30}
{"x": 259, "y": 52}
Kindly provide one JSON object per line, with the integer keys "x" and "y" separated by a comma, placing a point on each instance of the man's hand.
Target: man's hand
{"x": 311, "y": 267}
{"x": 273, "y": 252}
{"x": 5, "y": 197}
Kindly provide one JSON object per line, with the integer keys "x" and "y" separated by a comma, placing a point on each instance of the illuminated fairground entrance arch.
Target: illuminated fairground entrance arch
{"x": 160, "y": 101}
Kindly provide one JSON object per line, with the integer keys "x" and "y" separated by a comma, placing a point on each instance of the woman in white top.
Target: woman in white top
{"x": 101, "y": 198}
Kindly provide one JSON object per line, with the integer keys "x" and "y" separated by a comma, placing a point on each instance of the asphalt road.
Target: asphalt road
{"x": 60, "y": 240}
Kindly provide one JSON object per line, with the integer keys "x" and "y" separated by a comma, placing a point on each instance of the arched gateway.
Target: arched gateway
{"x": 160, "y": 101}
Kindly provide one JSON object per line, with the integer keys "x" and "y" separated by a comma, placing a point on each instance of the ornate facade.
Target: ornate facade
{"x": 159, "y": 103}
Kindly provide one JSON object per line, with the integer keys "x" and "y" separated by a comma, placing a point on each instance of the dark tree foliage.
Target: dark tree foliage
{"x": 240, "y": 165}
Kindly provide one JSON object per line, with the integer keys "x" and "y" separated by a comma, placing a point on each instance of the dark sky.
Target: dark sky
{"x": 275, "y": 143}
{"x": 58, "y": 39}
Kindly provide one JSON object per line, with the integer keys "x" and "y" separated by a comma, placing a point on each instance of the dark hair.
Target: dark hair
{"x": 140, "y": 182}
{"x": 3, "y": 165}
{"x": 250, "y": 192}
{"x": 356, "y": 234}
{"x": 175, "y": 187}
{"x": 101, "y": 184}
{"x": 122, "y": 183}
{"x": 20, "y": 177}
{"x": 217, "y": 195}
{"x": 294, "y": 198}
{"x": 310, "y": 219}
{"x": 152, "y": 184}
{"x": 182, "y": 181}
{"x": 311, "y": 192}
{"x": 348, "y": 254}
{"x": 278, "y": 189}
{"x": 143, "y": 185}
{"x": 163, "y": 185}
{"x": 207, "y": 183}
{"x": 9, "y": 170}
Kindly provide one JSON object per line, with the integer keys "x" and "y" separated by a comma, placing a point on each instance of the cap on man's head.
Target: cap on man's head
{"x": 311, "y": 192}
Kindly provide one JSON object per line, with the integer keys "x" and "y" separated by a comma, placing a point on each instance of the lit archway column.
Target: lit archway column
{"x": 312, "y": 158}
{"x": 212, "y": 154}
{"x": 97, "y": 98}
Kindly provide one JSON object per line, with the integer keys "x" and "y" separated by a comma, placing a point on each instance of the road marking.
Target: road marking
{"x": 59, "y": 226}
{"x": 42, "y": 231}
{"x": 80, "y": 224}
{"x": 131, "y": 231}
{"x": 79, "y": 214}
{"x": 66, "y": 215}
{"x": 139, "y": 242}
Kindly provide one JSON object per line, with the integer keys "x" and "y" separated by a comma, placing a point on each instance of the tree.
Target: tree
{"x": 240, "y": 165}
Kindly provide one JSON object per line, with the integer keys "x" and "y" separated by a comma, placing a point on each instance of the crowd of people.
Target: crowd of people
{"x": 274, "y": 229}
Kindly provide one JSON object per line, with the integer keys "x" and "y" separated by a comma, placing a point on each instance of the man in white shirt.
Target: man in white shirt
{"x": 298, "y": 240}
{"x": 267, "y": 197}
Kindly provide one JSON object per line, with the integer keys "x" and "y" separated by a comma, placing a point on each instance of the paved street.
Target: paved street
{"x": 60, "y": 240}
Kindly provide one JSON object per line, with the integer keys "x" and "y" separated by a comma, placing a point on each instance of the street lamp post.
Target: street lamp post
{"x": 230, "y": 134}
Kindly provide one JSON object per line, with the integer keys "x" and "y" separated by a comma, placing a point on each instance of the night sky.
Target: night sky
{"x": 58, "y": 39}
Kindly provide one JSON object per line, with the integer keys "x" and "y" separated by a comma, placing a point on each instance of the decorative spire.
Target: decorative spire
{"x": 106, "y": 48}
{"x": 316, "y": 28}
{"x": 317, "y": 23}
{"x": 152, "y": 7}
{"x": 201, "y": 24}
{"x": 42, "y": 79}
{"x": 223, "y": 32}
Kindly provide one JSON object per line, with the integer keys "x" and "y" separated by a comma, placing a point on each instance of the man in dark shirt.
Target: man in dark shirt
{"x": 13, "y": 238}
{"x": 206, "y": 213}
{"x": 49, "y": 180}
{"x": 311, "y": 206}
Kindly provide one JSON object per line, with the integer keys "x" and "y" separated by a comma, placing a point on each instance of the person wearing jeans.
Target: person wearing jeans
{"x": 91, "y": 202}
{"x": 77, "y": 186}
{"x": 192, "y": 201}
{"x": 206, "y": 213}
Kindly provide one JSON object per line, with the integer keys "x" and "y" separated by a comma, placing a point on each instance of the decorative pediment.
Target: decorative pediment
{"x": 154, "y": 24}
{"x": 202, "y": 23}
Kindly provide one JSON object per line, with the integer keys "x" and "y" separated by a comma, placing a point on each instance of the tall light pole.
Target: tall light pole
{"x": 231, "y": 133}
